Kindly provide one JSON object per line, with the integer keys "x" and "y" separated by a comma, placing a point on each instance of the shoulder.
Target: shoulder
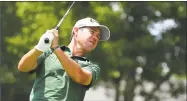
{"x": 93, "y": 67}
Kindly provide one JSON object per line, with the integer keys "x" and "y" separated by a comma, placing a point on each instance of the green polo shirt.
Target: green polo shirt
{"x": 52, "y": 83}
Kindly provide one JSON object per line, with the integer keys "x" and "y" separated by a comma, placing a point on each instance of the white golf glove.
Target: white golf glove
{"x": 42, "y": 46}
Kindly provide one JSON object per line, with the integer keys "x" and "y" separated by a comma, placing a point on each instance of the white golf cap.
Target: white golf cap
{"x": 90, "y": 22}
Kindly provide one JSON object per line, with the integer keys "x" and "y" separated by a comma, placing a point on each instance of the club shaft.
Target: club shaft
{"x": 60, "y": 22}
{"x": 46, "y": 40}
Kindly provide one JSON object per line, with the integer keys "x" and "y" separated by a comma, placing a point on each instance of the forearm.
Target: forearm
{"x": 29, "y": 61}
{"x": 70, "y": 66}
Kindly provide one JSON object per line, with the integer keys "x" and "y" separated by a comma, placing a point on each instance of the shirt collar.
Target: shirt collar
{"x": 65, "y": 48}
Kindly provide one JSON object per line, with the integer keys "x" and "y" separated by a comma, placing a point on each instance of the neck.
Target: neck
{"x": 76, "y": 48}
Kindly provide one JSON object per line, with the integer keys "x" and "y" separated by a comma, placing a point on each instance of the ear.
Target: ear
{"x": 75, "y": 30}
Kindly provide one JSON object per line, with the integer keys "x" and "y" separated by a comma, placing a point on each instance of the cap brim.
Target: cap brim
{"x": 105, "y": 33}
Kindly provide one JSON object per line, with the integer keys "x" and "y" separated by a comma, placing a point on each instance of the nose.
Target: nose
{"x": 95, "y": 37}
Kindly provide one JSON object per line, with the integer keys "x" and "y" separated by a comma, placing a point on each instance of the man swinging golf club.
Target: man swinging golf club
{"x": 63, "y": 73}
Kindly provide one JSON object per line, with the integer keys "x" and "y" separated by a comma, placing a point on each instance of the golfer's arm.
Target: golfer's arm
{"x": 73, "y": 69}
{"x": 29, "y": 61}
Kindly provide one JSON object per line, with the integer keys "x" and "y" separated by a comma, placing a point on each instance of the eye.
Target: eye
{"x": 92, "y": 31}
{"x": 98, "y": 36}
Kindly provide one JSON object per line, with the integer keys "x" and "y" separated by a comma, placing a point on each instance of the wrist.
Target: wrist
{"x": 39, "y": 48}
{"x": 54, "y": 48}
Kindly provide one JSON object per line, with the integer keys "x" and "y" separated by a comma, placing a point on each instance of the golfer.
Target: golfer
{"x": 63, "y": 73}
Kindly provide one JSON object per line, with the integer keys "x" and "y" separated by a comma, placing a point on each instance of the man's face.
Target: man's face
{"x": 88, "y": 37}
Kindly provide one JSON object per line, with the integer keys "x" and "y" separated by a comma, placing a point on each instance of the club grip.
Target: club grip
{"x": 46, "y": 40}
{"x": 56, "y": 27}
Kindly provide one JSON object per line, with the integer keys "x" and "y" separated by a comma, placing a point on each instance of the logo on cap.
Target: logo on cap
{"x": 93, "y": 21}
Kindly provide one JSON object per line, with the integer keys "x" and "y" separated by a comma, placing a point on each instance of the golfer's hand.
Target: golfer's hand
{"x": 56, "y": 37}
{"x": 42, "y": 46}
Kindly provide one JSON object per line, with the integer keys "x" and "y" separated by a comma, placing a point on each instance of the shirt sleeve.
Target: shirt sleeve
{"x": 43, "y": 56}
{"x": 40, "y": 59}
{"x": 95, "y": 70}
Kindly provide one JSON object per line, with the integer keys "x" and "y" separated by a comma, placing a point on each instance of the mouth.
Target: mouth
{"x": 92, "y": 42}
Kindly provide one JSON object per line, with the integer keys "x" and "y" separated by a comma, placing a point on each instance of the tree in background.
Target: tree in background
{"x": 130, "y": 60}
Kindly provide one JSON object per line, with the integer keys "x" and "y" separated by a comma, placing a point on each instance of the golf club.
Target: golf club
{"x": 60, "y": 22}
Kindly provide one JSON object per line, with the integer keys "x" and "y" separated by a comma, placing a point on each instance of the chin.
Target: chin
{"x": 89, "y": 49}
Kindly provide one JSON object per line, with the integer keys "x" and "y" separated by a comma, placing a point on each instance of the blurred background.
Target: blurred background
{"x": 144, "y": 60}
